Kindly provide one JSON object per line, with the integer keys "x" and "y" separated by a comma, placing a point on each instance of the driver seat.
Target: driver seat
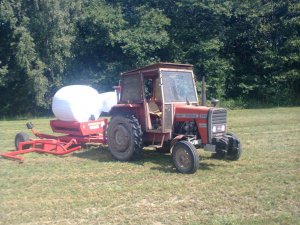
{"x": 153, "y": 109}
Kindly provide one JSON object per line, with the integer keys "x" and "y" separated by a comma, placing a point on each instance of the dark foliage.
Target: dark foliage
{"x": 248, "y": 50}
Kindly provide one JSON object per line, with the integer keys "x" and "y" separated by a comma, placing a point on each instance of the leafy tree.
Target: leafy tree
{"x": 36, "y": 40}
{"x": 196, "y": 33}
{"x": 259, "y": 38}
{"x": 18, "y": 58}
{"x": 248, "y": 50}
{"x": 110, "y": 41}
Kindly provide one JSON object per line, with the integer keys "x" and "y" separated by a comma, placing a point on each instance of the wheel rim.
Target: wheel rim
{"x": 121, "y": 138}
{"x": 183, "y": 158}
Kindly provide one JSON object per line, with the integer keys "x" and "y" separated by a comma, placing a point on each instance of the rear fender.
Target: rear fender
{"x": 124, "y": 109}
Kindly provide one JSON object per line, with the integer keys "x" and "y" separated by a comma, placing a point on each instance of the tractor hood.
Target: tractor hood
{"x": 191, "y": 112}
{"x": 211, "y": 121}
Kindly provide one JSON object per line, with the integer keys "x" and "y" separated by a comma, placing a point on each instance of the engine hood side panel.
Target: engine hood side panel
{"x": 198, "y": 114}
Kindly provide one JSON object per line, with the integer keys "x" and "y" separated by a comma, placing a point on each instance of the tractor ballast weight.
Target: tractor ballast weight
{"x": 159, "y": 107}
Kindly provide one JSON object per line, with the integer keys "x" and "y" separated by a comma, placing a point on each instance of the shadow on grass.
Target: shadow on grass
{"x": 97, "y": 153}
{"x": 163, "y": 161}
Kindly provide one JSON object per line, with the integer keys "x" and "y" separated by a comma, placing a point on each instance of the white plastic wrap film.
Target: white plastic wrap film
{"x": 76, "y": 103}
{"x": 107, "y": 100}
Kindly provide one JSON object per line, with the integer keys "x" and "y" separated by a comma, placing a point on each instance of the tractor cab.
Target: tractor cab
{"x": 153, "y": 90}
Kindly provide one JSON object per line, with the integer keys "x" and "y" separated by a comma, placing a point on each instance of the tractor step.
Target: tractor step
{"x": 154, "y": 146}
{"x": 160, "y": 143}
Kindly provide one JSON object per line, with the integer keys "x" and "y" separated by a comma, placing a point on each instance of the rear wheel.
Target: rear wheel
{"x": 21, "y": 137}
{"x": 124, "y": 137}
{"x": 185, "y": 157}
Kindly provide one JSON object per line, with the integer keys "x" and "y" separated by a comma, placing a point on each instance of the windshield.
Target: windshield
{"x": 178, "y": 86}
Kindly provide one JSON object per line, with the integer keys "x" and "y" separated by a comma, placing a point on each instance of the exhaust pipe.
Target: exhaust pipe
{"x": 203, "y": 91}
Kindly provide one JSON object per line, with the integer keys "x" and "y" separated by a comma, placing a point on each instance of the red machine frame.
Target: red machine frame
{"x": 77, "y": 134}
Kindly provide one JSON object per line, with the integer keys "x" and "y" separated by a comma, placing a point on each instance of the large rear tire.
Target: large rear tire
{"x": 124, "y": 137}
{"x": 185, "y": 157}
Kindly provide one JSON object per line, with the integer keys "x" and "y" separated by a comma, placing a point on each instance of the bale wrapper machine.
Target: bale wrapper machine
{"x": 74, "y": 136}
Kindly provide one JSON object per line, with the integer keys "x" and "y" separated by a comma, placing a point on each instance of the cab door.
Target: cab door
{"x": 167, "y": 117}
{"x": 153, "y": 103}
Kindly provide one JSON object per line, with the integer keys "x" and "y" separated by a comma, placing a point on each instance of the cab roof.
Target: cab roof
{"x": 157, "y": 66}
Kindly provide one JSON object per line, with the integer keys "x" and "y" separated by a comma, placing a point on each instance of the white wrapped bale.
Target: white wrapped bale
{"x": 107, "y": 100}
{"x": 76, "y": 103}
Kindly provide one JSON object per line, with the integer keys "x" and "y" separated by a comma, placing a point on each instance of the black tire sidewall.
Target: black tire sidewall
{"x": 133, "y": 150}
{"x": 235, "y": 155}
{"x": 21, "y": 137}
{"x": 191, "y": 151}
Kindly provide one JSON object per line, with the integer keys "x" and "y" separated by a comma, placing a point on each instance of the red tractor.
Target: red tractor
{"x": 159, "y": 107}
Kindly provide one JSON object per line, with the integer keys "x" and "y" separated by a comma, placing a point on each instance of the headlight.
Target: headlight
{"x": 223, "y": 128}
{"x": 218, "y": 128}
{"x": 214, "y": 129}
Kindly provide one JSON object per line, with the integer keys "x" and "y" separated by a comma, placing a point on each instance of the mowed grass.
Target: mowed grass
{"x": 90, "y": 187}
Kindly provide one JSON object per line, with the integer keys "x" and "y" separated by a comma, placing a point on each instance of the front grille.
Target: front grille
{"x": 216, "y": 117}
{"x": 219, "y": 116}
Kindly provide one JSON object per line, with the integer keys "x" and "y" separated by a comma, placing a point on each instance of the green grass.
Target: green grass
{"x": 90, "y": 187}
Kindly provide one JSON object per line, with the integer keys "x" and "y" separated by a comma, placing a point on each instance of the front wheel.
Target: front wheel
{"x": 185, "y": 157}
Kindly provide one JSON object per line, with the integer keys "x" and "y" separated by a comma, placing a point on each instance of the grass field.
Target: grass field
{"x": 90, "y": 187}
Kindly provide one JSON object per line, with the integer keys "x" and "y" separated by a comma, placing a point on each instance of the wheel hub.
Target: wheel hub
{"x": 121, "y": 138}
{"x": 183, "y": 158}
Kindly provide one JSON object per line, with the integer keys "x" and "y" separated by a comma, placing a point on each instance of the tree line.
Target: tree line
{"x": 248, "y": 50}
